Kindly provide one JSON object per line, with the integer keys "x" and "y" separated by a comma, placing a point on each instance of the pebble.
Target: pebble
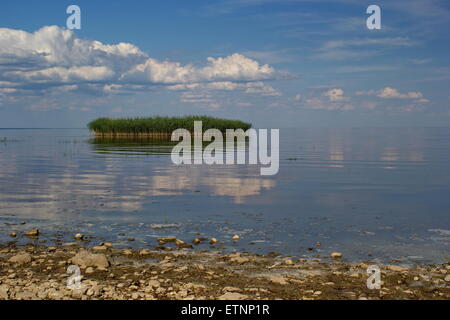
{"x": 182, "y": 244}
{"x": 336, "y": 255}
{"x": 32, "y": 233}
{"x": 288, "y": 262}
{"x": 13, "y": 234}
{"x": 144, "y": 252}
{"x": 100, "y": 248}
{"x": 165, "y": 240}
{"x": 79, "y": 236}
{"x": 397, "y": 268}
{"x": 213, "y": 241}
{"x": 278, "y": 279}
{"x": 235, "y": 238}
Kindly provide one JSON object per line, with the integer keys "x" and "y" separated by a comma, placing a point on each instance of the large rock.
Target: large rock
{"x": 21, "y": 258}
{"x": 86, "y": 259}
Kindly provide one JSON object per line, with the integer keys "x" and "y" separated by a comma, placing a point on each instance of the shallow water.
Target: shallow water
{"x": 358, "y": 191}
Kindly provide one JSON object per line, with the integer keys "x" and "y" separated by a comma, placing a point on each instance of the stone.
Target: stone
{"x": 239, "y": 260}
{"x": 79, "y": 236}
{"x": 336, "y": 255}
{"x": 100, "y": 248}
{"x": 231, "y": 289}
{"x": 288, "y": 262}
{"x": 397, "y": 268}
{"x": 165, "y": 240}
{"x": 127, "y": 252}
{"x": 278, "y": 279}
{"x": 235, "y": 238}
{"x": 70, "y": 244}
{"x": 213, "y": 241}
{"x": 32, "y": 233}
{"x": 181, "y": 269}
{"x": 182, "y": 244}
{"x": 4, "y": 292}
{"x": 233, "y": 296}
{"x": 89, "y": 270}
{"x": 21, "y": 258}
{"x": 86, "y": 259}
{"x": 13, "y": 234}
{"x": 154, "y": 284}
{"x": 144, "y": 252}
{"x": 447, "y": 278}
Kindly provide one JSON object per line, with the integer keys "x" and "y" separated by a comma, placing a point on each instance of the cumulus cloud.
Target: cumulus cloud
{"x": 234, "y": 67}
{"x": 332, "y": 99}
{"x": 392, "y": 93}
{"x": 335, "y": 94}
{"x": 52, "y": 57}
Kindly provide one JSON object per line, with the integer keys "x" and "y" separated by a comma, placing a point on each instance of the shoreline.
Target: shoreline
{"x": 37, "y": 271}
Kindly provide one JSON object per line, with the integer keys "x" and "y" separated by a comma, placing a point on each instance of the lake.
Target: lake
{"x": 383, "y": 192}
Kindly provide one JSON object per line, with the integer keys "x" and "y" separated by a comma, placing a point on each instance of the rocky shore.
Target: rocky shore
{"x": 41, "y": 272}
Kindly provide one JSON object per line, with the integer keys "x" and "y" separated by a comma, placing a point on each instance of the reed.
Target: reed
{"x": 159, "y": 126}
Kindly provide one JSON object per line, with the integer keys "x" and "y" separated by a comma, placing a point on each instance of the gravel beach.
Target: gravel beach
{"x": 34, "y": 272}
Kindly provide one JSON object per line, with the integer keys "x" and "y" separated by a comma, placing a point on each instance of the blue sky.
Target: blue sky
{"x": 276, "y": 63}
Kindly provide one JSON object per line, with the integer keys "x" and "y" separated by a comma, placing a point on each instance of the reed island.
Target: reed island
{"x": 159, "y": 126}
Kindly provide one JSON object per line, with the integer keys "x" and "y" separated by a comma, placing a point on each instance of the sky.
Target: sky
{"x": 274, "y": 63}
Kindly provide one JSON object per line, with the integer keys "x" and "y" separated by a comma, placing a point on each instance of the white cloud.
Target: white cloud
{"x": 63, "y": 75}
{"x": 335, "y": 94}
{"x": 52, "y": 57}
{"x": 235, "y": 67}
{"x": 391, "y": 93}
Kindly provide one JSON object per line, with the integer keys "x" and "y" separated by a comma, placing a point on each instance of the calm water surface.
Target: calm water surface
{"x": 358, "y": 191}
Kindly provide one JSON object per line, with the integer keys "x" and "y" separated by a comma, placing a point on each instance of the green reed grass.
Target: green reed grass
{"x": 164, "y": 125}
